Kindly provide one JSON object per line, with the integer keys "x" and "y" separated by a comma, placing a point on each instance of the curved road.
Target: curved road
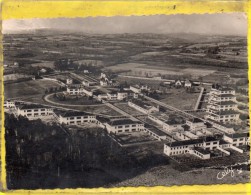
{"x": 46, "y": 98}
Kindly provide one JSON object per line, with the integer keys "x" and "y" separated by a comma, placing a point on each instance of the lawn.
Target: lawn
{"x": 28, "y": 88}
{"x": 180, "y": 98}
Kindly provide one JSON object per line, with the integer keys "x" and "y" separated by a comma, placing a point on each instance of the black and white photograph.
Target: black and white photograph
{"x": 126, "y": 101}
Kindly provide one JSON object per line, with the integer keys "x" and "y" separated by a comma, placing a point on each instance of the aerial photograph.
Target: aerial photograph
{"x": 158, "y": 100}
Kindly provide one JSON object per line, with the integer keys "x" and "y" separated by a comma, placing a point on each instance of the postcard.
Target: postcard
{"x": 125, "y": 101}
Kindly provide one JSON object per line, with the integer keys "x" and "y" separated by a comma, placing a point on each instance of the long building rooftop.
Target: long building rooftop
{"x": 155, "y": 130}
{"x": 70, "y": 113}
{"x": 226, "y": 112}
{"x": 238, "y": 135}
{"x": 123, "y": 122}
{"x": 195, "y": 120}
{"x": 226, "y": 103}
{"x": 201, "y": 150}
{"x": 227, "y": 95}
{"x": 30, "y": 106}
{"x": 192, "y": 141}
{"x": 142, "y": 104}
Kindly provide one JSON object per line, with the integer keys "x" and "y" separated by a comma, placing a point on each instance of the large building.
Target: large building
{"x": 196, "y": 124}
{"x": 222, "y": 106}
{"x": 112, "y": 95}
{"x": 169, "y": 123}
{"x": 139, "y": 88}
{"x": 122, "y": 95}
{"x": 198, "y": 147}
{"x": 74, "y": 117}
{"x": 89, "y": 81}
{"x": 9, "y": 104}
{"x": 237, "y": 139}
{"x": 142, "y": 106}
{"x": 124, "y": 125}
{"x": 33, "y": 110}
{"x": 72, "y": 90}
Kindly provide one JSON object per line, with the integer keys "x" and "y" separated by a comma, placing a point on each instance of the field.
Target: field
{"x": 180, "y": 98}
{"x": 153, "y": 70}
{"x": 151, "y": 54}
{"x": 28, "y": 89}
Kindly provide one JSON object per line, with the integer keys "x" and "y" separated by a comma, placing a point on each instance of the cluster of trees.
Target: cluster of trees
{"x": 54, "y": 89}
{"x": 59, "y": 96}
{"x": 40, "y": 155}
{"x": 66, "y": 64}
{"x": 213, "y": 50}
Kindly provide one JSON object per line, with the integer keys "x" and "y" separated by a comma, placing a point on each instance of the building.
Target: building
{"x": 169, "y": 123}
{"x": 222, "y": 106}
{"x": 130, "y": 93}
{"x": 104, "y": 82}
{"x": 172, "y": 125}
{"x": 196, "y": 124}
{"x": 100, "y": 121}
{"x": 74, "y": 117}
{"x": 122, "y": 95}
{"x": 69, "y": 81}
{"x": 103, "y": 75}
{"x": 88, "y": 91}
{"x": 102, "y": 96}
{"x": 124, "y": 125}
{"x": 237, "y": 139}
{"x": 143, "y": 107}
{"x": 198, "y": 147}
{"x": 87, "y": 80}
{"x": 188, "y": 83}
{"x": 72, "y": 90}
{"x": 43, "y": 70}
{"x": 156, "y": 133}
{"x": 33, "y": 110}
{"x": 178, "y": 83}
{"x": 112, "y": 95}
{"x": 9, "y": 104}
{"x": 139, "y": 88}
{"x": 186, "y": 135}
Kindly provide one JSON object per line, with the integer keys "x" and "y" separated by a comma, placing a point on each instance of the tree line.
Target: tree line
{"x": 40, "y": 155}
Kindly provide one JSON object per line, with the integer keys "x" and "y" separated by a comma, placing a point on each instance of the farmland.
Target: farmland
{"x": 153, "y": 54}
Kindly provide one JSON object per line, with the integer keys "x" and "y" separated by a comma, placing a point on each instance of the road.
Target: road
{"x": 46, "y": 98}
{"x": 64, "y": 108}
{"x": 178, "y": 111}
{"x": 120, "y": 111}
{"x": 188, "y": 115}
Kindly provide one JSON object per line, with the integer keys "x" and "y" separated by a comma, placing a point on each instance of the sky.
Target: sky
{"x": 212, "y": 24}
